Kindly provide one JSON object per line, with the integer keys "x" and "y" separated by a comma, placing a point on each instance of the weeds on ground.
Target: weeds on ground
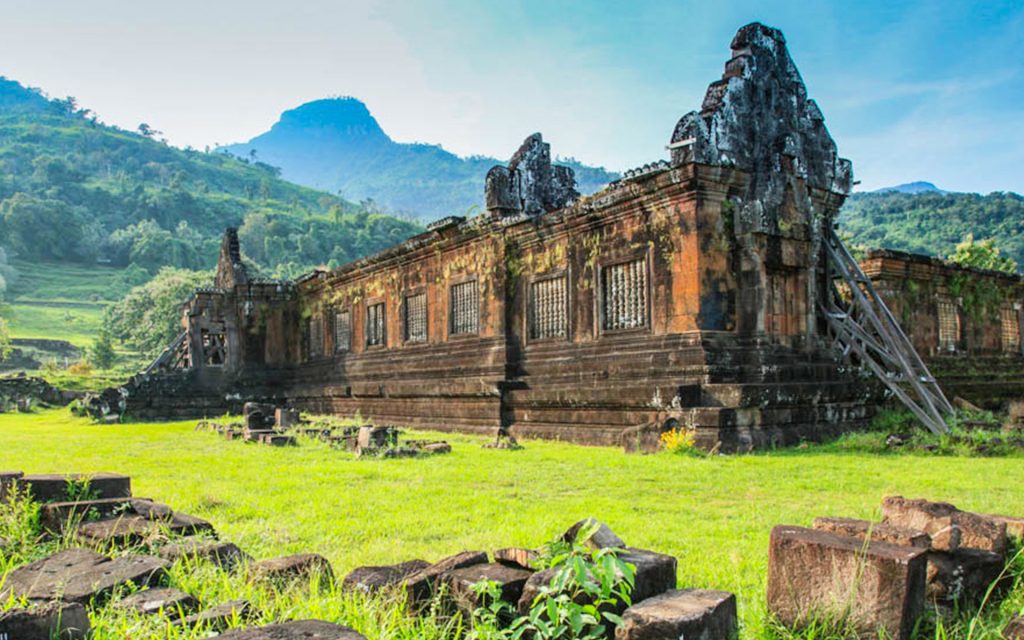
{"x": 897, "y": 431}
{"x": 576, "y": 604}
{"x": 680, "y": 441}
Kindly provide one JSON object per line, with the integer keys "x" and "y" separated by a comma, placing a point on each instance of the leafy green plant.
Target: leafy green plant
{"x": 578, "y": 603}
{"x": 79, "y": 490}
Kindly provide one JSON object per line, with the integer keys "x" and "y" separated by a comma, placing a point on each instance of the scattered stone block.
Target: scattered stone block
{"x": 510, "y": 580}
{"x": 875, "y": 586}
{"x": 373, "y": 579}
{"x": 219, "y": 617}
{"x": 225, "y": 555}
{"x": 54, "y": 487}
{"x": 655, "y": 572}
{"x": 53, "y": 620}
{"x": 300, "y": 566}
{"x": 532, "y": 589}
{"x": 1014, "y": 629}
{"x": 173, "y": 603}
{"x": 377, "y": 437}
{"x": 516, "y": 557}
{"x": 603, "y": 538}
{"x": 78, "y": 575}
{"x": 24, "y": 405}
{"x": 963, "y": 576}
{"x": 686, "y": 613}
{"x": 286, "y": 418}
{"x": 420, "y": 586}
{"x": 280, "y": 440}
{"x": 151, "y": 510}
{"x": 1014, "y": 526}
{"x": 8, "y": 483}
{"x": 876, "y": 531}
{"x": 295, "y": 630}
{"x": 56, "y": 516}
{"x": 133, "y": 529}
{"x": 977, "y": 532}
{"x": 256, "y": 435}
{"x": 434, "y": 448}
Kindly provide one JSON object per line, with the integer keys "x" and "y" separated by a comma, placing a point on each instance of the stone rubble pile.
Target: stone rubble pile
{"x": 658, "y": 611}
{"x": 99, "y": 512}
{"x": 276, "y": 426}
{"x": 882, "y": 576}
{"x": 21, "y": 393}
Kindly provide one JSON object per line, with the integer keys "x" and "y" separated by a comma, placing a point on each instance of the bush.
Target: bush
{"x": 81, "y": 368}
{"x": 680, "y": 441}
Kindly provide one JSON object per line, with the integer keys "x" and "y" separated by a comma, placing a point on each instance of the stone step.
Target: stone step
{"x": 57, "y": 487}
{"x": 79, "y": 575}
{"x": 777, "y": 394}
{"x": 133, "y": 529}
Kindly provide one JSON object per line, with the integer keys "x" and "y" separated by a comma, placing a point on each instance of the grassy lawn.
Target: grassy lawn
{"x": 77, "y": 323}
{"x": 713, "y": 514}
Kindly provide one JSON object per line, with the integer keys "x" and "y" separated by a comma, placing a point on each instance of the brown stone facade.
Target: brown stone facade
{"x": 966, "y": 323}
{"x": 684, "y": 294}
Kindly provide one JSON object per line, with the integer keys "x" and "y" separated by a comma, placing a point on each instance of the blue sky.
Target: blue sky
{"x": 910, "y": 90}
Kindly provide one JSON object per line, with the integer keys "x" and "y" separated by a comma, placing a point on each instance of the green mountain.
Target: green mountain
{"x": 337, "y": 145}
{"x": 933, "y": 222}
{"x": 73, "y": 190}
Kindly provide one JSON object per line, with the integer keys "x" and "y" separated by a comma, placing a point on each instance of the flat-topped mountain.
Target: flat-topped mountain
{"x": 336, "y": 144}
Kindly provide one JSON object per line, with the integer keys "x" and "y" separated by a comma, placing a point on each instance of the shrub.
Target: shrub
{"x": 680, "y": 441}
{"x": 81, "y": 368}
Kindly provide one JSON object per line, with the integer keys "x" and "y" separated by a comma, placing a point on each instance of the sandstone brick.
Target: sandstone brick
{"x": 226, "y": 555}
{"x": 53, "y": 487}
{"x": 295, "y": 630}
{"x": 1014, "y": 525}
{"x": 173, "y": 603}
{"x": 421, "y": 585}
{"x": 132, "y": 529}
{"x": 510, "y": 580}
{"x": 300, "y": 566}
{"x": 688, "y": 613}
{"x": 50, "y": 621}
{"x": 8, "y": 480}
{"x": 516, "y": 557}
{"x": 977, "y": 532}
{"x": 219, "y": 617}
{"x": 876, "y": 586}
{"x": 963, "y": 576}
{"x": 603, "y": 538}
{"x": 373, "y": 579}
{"x": 876, "y": 531}
{"x": 78, "y": 575}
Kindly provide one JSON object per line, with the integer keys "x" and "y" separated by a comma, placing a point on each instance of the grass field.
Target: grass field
{"x": 713, "y": 514}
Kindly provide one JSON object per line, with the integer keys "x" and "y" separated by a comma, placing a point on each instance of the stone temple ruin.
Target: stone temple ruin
{"x": 696, "y": 293}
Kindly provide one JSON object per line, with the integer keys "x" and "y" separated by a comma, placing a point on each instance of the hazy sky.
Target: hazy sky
{"x": 924, "y": 90}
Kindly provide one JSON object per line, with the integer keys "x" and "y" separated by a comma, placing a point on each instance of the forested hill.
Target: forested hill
{"x": 336, "y": 144}
{"x": 934, "y": 223}
{"x": 75, "y": 190}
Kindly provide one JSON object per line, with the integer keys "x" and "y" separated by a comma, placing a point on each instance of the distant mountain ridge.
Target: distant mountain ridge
{"x": 912, "y": 187}
{"x": 336, "y": 144}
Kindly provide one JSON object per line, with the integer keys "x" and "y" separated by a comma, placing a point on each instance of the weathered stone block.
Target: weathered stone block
{"x": 603, "y": 538}
{"x": 655, "y": 574}
{"x": 509, "y": 579}
{"x": 874, "y": 585}
{"x": 1014, "y": 629}
{"x": 8, "y": 480}
{"x": 700, "y": 614}
{"x": 963, "y": 575}
{"x": 420, "y": 586}
{"x": 133, "y": 528}
{"x": 876, "y": 531}
{"x": 515, "y": 557}
{"x": 1014, "y": 526}
{"x": 50, "y": 621}
{"x": 225, "y": 555}
{"x": 373, "y": 579}
{"x": 300, "y": 566}
{"x": 286, "y": 418}
{"x": 54, "y": 487}
{"x": 295, "y": 630}
{"x": 173, "y": 603}
{"x": 78, "y": 575}
{"x": 217, "y": 618}
{"x": 977, "y": 532}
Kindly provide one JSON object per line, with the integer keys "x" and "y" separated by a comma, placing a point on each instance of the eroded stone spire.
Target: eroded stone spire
{"x": 231, "y": 270}
{"x": 530, "y": 183}
{"x": 758, "y": 118}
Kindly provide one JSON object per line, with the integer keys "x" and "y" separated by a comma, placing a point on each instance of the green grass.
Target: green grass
{"x": 714, "y": 514}
{"x": 76, "y": 323}
{"x": 48, "y": 282}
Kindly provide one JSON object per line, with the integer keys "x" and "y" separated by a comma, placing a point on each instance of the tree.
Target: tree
{"x": 148, "y": 131}
{"x": 149, "y": 317}
{"x": 101, "y": 353}
{"x": 982, "y": 254}
{"x": 5, "y": 340}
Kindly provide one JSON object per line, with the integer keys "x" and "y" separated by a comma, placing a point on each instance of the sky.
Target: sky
{"x": 925, "y": 90}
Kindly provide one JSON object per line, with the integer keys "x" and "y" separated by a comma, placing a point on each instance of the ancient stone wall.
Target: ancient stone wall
{"x": 964, "y": 322}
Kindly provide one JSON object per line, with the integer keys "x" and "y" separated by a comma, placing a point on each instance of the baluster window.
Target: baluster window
{"x": 375, "y": 325}
{"x": 548, "y": 316}
{"x": 342, "y": 331}
{"x": 624, "y": 295}
{"x": 465, "y": 308}
{"x": 416, "y": 318}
